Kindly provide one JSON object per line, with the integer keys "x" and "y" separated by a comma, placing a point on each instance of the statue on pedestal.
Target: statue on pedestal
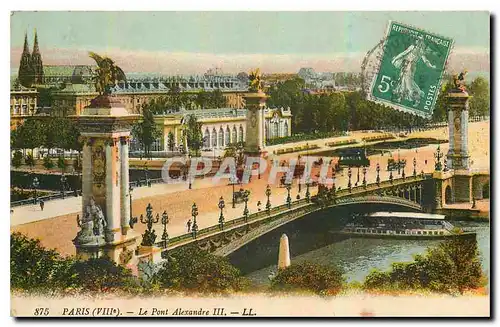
{"x": 92, "y": 225}
{"x": 107, "y": 74}
{"x": 459, "y": 81}
{"x": 255, "y": 80}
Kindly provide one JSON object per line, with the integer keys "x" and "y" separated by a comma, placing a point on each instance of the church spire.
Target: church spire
{"x": 36, "y": 61}
{"x": 25, "y": 74}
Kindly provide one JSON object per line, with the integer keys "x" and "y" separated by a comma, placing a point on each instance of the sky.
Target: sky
{"x": 192, "y": 42}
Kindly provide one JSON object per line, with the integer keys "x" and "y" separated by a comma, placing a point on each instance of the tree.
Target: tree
{"x": 61, "y": 163}
{"x": 479, "y": 104}
{"x": 31, "y": 265}
{"x": 192, "y": 269}
{"x": 100, "y": 275}
{"x": 217, "y": 99}
{"x": 193, "y": 134}
{"x": 47, "y": 163}
{"x": 31, "y": 134}
{"x": 29, "y": 160}
{"x": 321, "y": 279}
{"x": 170, "y": 141}
{"x": 452, "y": 266}
{"x": 17, "y": 159}
{"x": 146, "y": 131}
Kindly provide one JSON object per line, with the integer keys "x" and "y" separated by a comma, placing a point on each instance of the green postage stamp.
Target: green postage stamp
{"x": 412, "y": 64}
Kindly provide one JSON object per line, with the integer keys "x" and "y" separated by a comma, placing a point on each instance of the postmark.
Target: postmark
{"x": 411, "y": 67}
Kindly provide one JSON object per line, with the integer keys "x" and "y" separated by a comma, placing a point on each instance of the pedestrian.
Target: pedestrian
{"x": 426, "y": 161}
{"x": 189, "y": 225}
{"x": 42, "y": 204}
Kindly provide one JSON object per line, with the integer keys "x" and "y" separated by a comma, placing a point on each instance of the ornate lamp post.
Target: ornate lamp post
{"x": 233, "y": 182}
{"x": 357, "y": 180}
{"x": 403, "y": 173}
{"x": 63, "y": 183}
{"x": 364, "y": 176}
{"x": 194, "y": 214}
{"x": 268, "y": 203}
{"x": 414, "y": 167}
{"x": 164, "y": 221}
{"x": 438, "y": 155}
{"x": 149, "y": 236}
{"x": 378, "y": 174}
{"x": 399, "y": 162}
{"x": 288, "y": 197}
{"x": 390, "y": 176}
{"x": 334, "y": 174}
{"x": 146, "y": 174}
{"x": 35, "y": 184}
{"x": 221, "y": 205}
{"x": 349, "y": 174}
{"x": 308, "y": 194}
{"x": 246, "y": 194}
{"x": 130, "y": 189}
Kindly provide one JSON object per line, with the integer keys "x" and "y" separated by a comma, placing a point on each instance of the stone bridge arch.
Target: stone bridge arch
{"x": 233, "y": 240}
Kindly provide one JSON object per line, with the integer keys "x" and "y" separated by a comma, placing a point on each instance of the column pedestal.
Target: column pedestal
{"x": 104, "y": 222}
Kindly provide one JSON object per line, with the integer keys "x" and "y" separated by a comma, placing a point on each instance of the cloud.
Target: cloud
{"x": 173, "y": 63}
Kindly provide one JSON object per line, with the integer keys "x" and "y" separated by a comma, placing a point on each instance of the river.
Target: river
{"x": 357, "y": 256}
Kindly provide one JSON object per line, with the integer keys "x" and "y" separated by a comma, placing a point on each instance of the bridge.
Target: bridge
{"x": 405, "y": 192}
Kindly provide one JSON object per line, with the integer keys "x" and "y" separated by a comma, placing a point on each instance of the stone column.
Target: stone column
{"x": 451, "y": 138}
{"x": 112, "y": 209}
{"x": 125, "y": 189}
{"x": 255, "y": 103}
{"x": 458, "y": 120}
{"x": 86, "y": 172}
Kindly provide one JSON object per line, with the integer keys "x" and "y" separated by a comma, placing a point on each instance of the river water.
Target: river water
{"x": 357, "y": 256}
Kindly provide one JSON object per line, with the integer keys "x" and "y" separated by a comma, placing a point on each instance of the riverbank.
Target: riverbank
{"x": 260, "y": 305}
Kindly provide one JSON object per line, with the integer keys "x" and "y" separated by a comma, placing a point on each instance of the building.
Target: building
{"x": 23, "y": 103}
{"x": 220, "y": 127}
{"x": 72, "y": 98}
{"x": 60, "y": 75}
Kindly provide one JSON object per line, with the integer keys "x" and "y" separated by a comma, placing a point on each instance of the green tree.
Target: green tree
{"x": 31, "y": 133}
{"x": 47, "y": 163}
{"x": 452, "y": 266}
{"x": 17, "y": 159}
{"x": 146, "y": 131}
{"x": 217, "y": 99}
{"x": 195, "y": 270}
{"x": 61, "y": 163}
{"x": 321, "y": 279}
{"x": 193, "y": 134}
{"x": 29, "y": 160}
{"x": 31, "y": 265}
{"x": 170, "y": 141}
{"x": 479, "y": 104}
{"x": 100, "y": 275}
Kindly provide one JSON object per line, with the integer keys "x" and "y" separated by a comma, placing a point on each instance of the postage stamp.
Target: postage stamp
{"x": 411, "y": 68}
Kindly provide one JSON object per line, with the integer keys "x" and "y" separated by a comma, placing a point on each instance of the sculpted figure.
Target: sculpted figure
{"x": 92, "y": 225}
{"x": 459, "y": 81}
{"x": 107, "y": 74}
{"x": 255, "y": 81}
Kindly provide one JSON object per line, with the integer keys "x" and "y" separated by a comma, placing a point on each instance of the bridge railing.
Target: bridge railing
{"x": 340, "y": 196}
{"x": 240, "y": 221}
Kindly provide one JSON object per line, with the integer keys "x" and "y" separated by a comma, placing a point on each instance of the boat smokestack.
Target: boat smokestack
{"x": 284, "y": 253}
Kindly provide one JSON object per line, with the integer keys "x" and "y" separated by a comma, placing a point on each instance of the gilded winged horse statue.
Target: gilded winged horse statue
{"x": 107, "y": 74}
